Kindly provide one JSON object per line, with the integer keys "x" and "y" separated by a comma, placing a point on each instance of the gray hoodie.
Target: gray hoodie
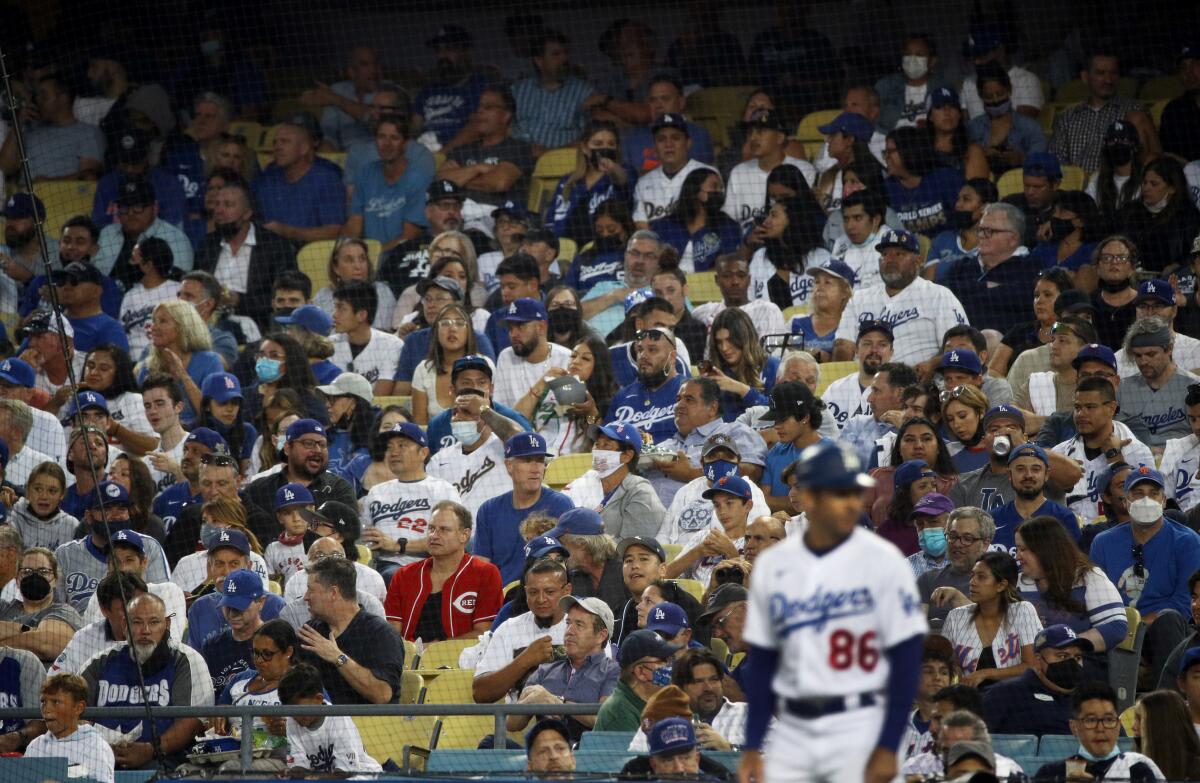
{"x": 49, "y": 533}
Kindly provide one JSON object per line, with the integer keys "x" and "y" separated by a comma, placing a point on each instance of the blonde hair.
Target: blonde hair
{"x": 466, "y": 251}
{"x": 535, "y": 525}
{"x": 231, "y": 513}
{"x": 971, "y": 397}
{"x": 338, "y": 246}
{"x": 192, "y": 332}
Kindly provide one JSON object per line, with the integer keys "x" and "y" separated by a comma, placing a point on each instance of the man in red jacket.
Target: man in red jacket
{"x": 450, "y": 594}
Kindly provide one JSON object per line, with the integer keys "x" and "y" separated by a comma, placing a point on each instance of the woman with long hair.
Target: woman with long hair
{"x": 132, "y": 473}
{"x": 1006, "y": 135}
{"x": 453, "y": 338}
{"x": 268, "y": 448}
{"x": 696, "y": 227}
{"x": 1167, "y": 734}
{"x": 993, "y": 630}
{"x": 564, "y": 308}
{"x": 846, "y": 149}
{"x": 962, "y": 414}
{"x": 108, "y": 370}
{"x": 947, "y": 129}
{"x": 735, "y": 359}
{"x": 222, "y": 409}
{"x": 282, "y": 364}
{"x": 791, "y": 244}
{"x": 921, "y": 191}
{"x": 180, "y": 346}
{"x": 351, "y": 260}
{"x": 1164, "y": 221}
{"x": 911, "y": 481}
{"x": 350, "y": 418}
{"x": 369, "y": 469}
{"x": 1031, "y": 334}
{"x": 961, "y": 239}
{"x": 1075, "y": 225}
{"x": 604, "y": 259}
{"x": 599, "y": 176}
{"x": 917, "y": 438}
{"x": 445, "y": 248}
{"x": 1119, "y": 180}
{"x": 566, "y": 428}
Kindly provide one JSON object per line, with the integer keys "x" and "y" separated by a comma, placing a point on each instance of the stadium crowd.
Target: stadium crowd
{"x": 228, "y": 482}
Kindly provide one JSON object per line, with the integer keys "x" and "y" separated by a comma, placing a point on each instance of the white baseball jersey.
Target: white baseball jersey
{"x": 401, "y": 509}
{"x": 919, "y": 315}
{"x": 515, "y": 376}
{"x": 287, "y": 560}
{"x": 1180, "y": 466}
{"x": 137, "y": 307}
{"x": 191, "y": 570}
{"x": 376, "y": 361}
{"x": 1191, "y": 173}
{"x": 477, "y": 476}
{"x": 800, "y": 283}
{"x": 845, "y": 398}
{"x": 764, "y": 314}
{"x": 87, "y": 642}
{"x": 510, "y": 640}
{"x": 746, "y": 191}
{"x": 1084, "y": 497}
{"x": 334, "y": 745}
{"x": 1185, "y": 354}
{"x": 656, "y": 192}
{"x": 829, "y": 618}
{"x": 368, "y": 582}
{"x": 863, "y": 259}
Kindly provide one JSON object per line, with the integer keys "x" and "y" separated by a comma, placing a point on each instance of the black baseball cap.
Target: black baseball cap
{"x": 337, "y": 515}
{"x": 769, "y": 119}
{"x": 449, "y": 35}
{"x": 792, "y": 398}
{"x": 136, "y": 192}
{"x": 670, "y": 120}
{"x": 1073, "y": 301}
{"x": 720, "y": 598}
{"x": 77, "y": 272}
{"x": 441, "y": 189}
{"x": 133, "y": 145}
{"x": 883, "y": 327}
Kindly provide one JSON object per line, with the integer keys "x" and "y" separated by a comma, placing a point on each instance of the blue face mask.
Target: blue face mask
{"x": 466, "y": 432}
{"x": 1116, "y": 751}
{"x": 662, "y": 676}
{"x": 716, "y": 470}
{"x": 268, "y": 370}
{"x": 933, "y": 541}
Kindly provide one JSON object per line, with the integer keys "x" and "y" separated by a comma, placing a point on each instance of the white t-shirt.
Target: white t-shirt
{"x": 172, "y": 597}
{"x": 845, "y": 398}
{"x": 287, "y": 560}
{"x": 137, "y": 307}
{"x": 515, "y": 376}
{"x": 1180, "y": 467}
{"x": 163, "y": 480}
{"x": 1020, "y": 627}
{"x": 691, "y": 517}
{"x": 384, "y": 313}
{"x": 191, "y": 570}
{"x": 401, "y": 509}
{"x": 920, "y": 314}
{"x": 333, "y": 745}
{"x": 656, "y": 192}
{"x": 746, "y": 191}
{"x": 488, "y": 263}
{"x": 21, "y": 464}
{"x": 512, "y": 637}
{"x": 863, "y": 260}
{"x": 129, "y": 411}
{"x": 764, "y": 314}
{"x": 369, "y": 581}
{"x": 477, "y": 476}
{"x": 1026, "y": 91}
{"x": 425, "y": 380}
{"x": 378, "y": 359}
{"x": 916, "y": 105}
{"x": 87, "y": 753}
{"x": 800, "y": 283}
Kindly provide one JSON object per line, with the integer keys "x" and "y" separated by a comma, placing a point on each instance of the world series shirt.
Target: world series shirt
{"x": 919, "y": 315}
{"x": 401, "y": 509}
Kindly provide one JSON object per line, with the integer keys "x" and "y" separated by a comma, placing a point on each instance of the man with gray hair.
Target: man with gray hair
{"x": 959, "y": 726}
{"x": 593, "y": 566}
{"x": 605, "y": 305}
{"x": 203, "y": 291}
{"x": 211, "y": 114}
{"x": 18, "y": 380}
{"x": 996, "y": 288}
{"x": 1157, "y": 393}
{"x": 11, "y": 547}
{"x": 16, "y": 422}
{"x": 969, "y": 533}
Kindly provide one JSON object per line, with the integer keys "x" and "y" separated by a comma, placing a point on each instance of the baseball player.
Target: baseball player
{"x": 835, "y": 647}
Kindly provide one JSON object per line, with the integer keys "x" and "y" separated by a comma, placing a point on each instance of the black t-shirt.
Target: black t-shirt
{"x": 518, "y": 153}
{"x": 429, "y": 622}
{"x": 371, "y": 643}
{"x": 405, "y": 264}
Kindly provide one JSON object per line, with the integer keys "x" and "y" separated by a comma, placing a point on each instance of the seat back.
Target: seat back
{"x": 551, "y": 166}
{"x": 565, "y": 468}
{"x": 1056, "y": 747}
{"x": 692, "y": 586}
{"x": 1124, "y": 659}
{"x": 387, "y": 736}
{"x": 702, "y": 287}
{"x": 444, "y": 654}
{"x": 450, "y": 686}
{"x": 1010, "y": 183}
{"x": 470, "y": 760}
{"x": 1015, "y": 744}
{"x": 249, "y": 130}
{"x": 809, "y": 126}
{"x": 832, "y": 371}
{"x": 464, "y": 731}
{"x": 313, "y": 260}
{"x": 1161, "y": 88}
{"x": 63, "y": 200}
{"x": 606, "y": 740}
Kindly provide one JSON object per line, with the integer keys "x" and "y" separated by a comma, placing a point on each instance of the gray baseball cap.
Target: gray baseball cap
{"x": 591, "y": 606}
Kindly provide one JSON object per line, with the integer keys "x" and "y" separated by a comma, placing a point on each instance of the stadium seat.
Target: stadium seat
{"x": 608, "y": 762}
{"x": 1123, "y": 660}
{"x": 719, "y": 101}
{"x": 249, "y": 130}
{"x": 335, "y": 157}
{"x": 606, "y": 740}
{"x": 444, "y": 654}
{"x": 64, "y": 199}
{"x": 719, "y": 648}
{"x": 807, "y": 131}
{"x": 386, "y": 736}
{"x": 565, "y": 468}
{"x": 451, "y": 686}
{"x": 672, "y": 550}
{"x": 264, "y": 159}
{"x": 812, "y": 149}
{"x": 446, "y": 760}
{"x": 401, "y": 400}
{"x": 267, "y": 142}
{"x": 1156, "y": 111}
{"x": 1161, "y": 88}
{"x": 923, "y": 245}
{"x": 702, "y": 287}
{"x": 463, "y": 731}
{"x": 795, "y": 311}
{"x": 313, "y": 259}
{"x": 567, "y": 250}
{"x": 551, "y": 166}
{"x": 693, "y": 587}
{"x": 1073, "y": 178}
{"x": 1010, "y": 183}
{"x": 730, "y": 759}
{"x": 411, "y": 684}
{"x": 1046, "y": 118}
{"x": 274, "y": 587}
{"x": 1015, "y": 744}
{"x": 1029, "y": 763}
{"x": 832, "y": 371}
{"x": 1056, "y": 747}
{"x": 126, "y": 776}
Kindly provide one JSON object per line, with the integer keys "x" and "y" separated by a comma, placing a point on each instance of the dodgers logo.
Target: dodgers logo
{"x": 819, "y": 609}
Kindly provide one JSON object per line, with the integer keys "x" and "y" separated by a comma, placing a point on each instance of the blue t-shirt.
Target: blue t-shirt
{"x": 10, "y": 692}
{"x": 384, "y": 207}
{"x": 944, "y": 249}
{"x": 249, "y": 435}
{"x": 181, "y": 158}
{"x": 226, "y": 658}
{"x": 316, "y": 199}
{"x": 1169, "y": 558}
{"x": 1008, "y": 520}
{"x": 1047, "y": 253}
{"x": 571, "y": 216}
{"x": 416, "y": 350}
{"x": 360, "y": 153}
{"x": 325, "y": 371}
{"x": 707, "y": 243}
{"x": 31, "y": 298}
{"x": 498, "y": 533}
{"x": 439, "y": 435}
{"x": 778, "y": 458}
{"x": 926, "y": 208}
{"x": 168, "y": 191}
{"x": 205, "y": 621}
{"x": 341, "y": 451}
{"x": 803, "y": 325}
{"x": 592, "y": 267}
{"x": 200, "y": 366}
{"x": 637, "y": 147}
{"x": 171, "y": 501}
{"x": 445, "y": 109}
{"x": 97, "y": 330}
{"x": 649, "y": 411}
{"x": 967, "y": 460}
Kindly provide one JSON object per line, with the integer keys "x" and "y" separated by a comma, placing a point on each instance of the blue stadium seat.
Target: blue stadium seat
{"x": 606, "y": 740}
{"x": 463, "y": 760}
{"x": 1030, "y": 763}
{"x": 727, "y": 758}
{"x": 606, "y": 761}
{"x": 1015, "y": 744}
{"x": 1057, "y": 746}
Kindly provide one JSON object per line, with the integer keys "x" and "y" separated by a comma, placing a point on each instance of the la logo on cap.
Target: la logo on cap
{"x": 659, "y": 614}
{"x": 230, "y": 586}
{"x": 512, "y": 308}
{"x": 288, "y": 494}
{"x": 127, "y": 141}
{"x": 1150, "y": 287}
{"x": 954, "y": 356}
{"x": 113, "y": 490}
{"x": 224, "y": 536}
{"x": 229, "y": 383}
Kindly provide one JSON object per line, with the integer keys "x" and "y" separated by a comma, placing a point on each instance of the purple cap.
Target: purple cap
{"x": 210, "y": 438}
{"x": 311, "y": 317}
{"x": 898, "y": 237}
{"x": 222, "y": 387}
{"x": 667, "y": 618}
{"x": 301, "y": 427}
{"x": 129, "y": 538}
{"x": 730, "y": 485}
{"x": 961, "y": 359}
{"x": 1143, "y": 473}
{"x": 526, "y": 444}
{"x": 850, "y": 124}
{"x": 933, "y": 504}
{"x": 670, "y": 120}
{"x": 1029, "y": 450}
{"x": 292, "y": 495}
{"x": 1095, "y": 352}
{"x": 910, "y": 472}
{"x": 17, "y": 372}
{"x": 1191, "y": 657}
{"x": 240, "y": 589}
{"x": 524, "y": 310}
{"x": 943, "y": 96}
{"x": 407, "y": 429}
{"x": 577, "y": 522}
{"x": 1042, "y": 164}
{"x": 1156, "y": 290}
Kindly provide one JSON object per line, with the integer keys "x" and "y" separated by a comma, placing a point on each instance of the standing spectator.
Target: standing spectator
{"x": 657, "y": 191}
{"x": 767, "y": 142}
{"x": 495, "y": 167}
{"x": 137, "y": 218}
{"x": 1164, "y": 221}
{"x": 1158, "y": 393}
{"x": 58, "y": 146}
{"x": 599, "y": 176}
{"x": 987, "y": 45}
{"x": 1038, "y": 701}
{"x": 921, "y": 192}
{"x": 550, "y": 107}
{"x": 696, "y": 227}
{"x": 301, "y": 196}
{"x": 904, "y": 95}
{"x": 388, "y": 204}
{"x": 1096, "y": 724}
{"x": 1183, "y": 112}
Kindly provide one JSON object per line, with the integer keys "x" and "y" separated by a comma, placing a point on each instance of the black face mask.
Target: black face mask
{"x": 1114, "y": 286}
{"x": 34, "y": 587}
{"x": 962, "y": 218}
{"x": 716, "y": 200}
{"x": 1118, "y": 154}
{"x": 607, "y": 244}
{"x": 564, "y": 320}
{"x": 1065, "y": 674}
{"x": 1060, "y": 229}
{"x": 227, "y": 231}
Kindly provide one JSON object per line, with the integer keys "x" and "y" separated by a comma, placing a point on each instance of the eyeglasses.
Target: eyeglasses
{"x": 1139, "y": 561}
{"x": 452, "y": 323}
{"x": 986, "y": 232}
{"x": 263, "y": 655}
{"x": 220, "y": 460}
{"x": 720, "y": 621}
{"x": 438, "y": 300}
{"x": 1107, "y": 721}
{"x": 968, "y": 540}
{"x": 133, "y": 209}
{"x": 1113, "y": 259}
{"x": 46, "y": 572}
{"x": 951, "y": 394}
{"x": 312, "y": 444}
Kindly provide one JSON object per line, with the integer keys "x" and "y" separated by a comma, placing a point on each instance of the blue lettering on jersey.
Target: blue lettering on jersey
{"x": 1183, "y": 480}
{"x": 380, "y": 511}
{"x": 990, "y": 499}
{"x": 817, "y": 610}
{"x": 1163, "y": 420}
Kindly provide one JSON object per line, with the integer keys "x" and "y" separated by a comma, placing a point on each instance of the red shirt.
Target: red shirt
{"x": 472, "y": 594}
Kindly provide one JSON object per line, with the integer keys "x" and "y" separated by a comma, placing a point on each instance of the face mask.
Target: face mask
{"x": 268, "y": 370}
{"x": 962, "y": 218}
{"x": 227, "y": 231}
{"x": 718, "y": 469}
{"x": 662, "y": 676}
{"x": 1146, "y": 511}
{"x": 564, "y": 319}
{"x": 607, "y": 244}
{"x": 716, "y": 200}
{"x": 210, "y": 534}
{"x": 280, "y": 441}
{"x": 1118, "y": 154}
{"x": 282, "y": 312}
{"x": 136, "y": 273}
{"x": 1111, "y": 754}
{"x": 1114, "y": 286}
{"x": 1154, "y": 209}
{"x": 1060, "y": 229}
{"x": 914, "y": 67}
{"x": 210, "y": 48}
{"x": 466, "y": 432}
{"x": 998, "y": 109}
{"x": 606, "y": 463}
{"x": 1065, "y": 674}
{"x": 933, "y": 541}
{"x": 34, "y": 587}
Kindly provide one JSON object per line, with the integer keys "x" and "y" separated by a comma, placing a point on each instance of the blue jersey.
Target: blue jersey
{"x": 649, "y": 411}
{"x": 445, "y": 109}
{"x": 571, "y": 215}
{"x": 498, "y": 529}
{"x": 385, "y": 207}
{"x": 1008, "y": 520}
{"x": 778, "y": 458}
{"x": 226, "y": 658}
{"x": 325, "y": 371}
{"x": 342, "y": 451}
{"x": 416, "y": 350}
{"x": 595, "y": 266}
{"x": 706, "y": 244}
{"x": 926, "y": 208}
{"x": 316, "y": 199}
{"x": 1168, "y": 559}
{"x": 1047, "y": 254}
{"x": 171, "y": 501}
{"x": 12, "y": 694}
{"x": 205, "y": 621}
{"x": 625, "y": 371}
{"x": 97, "y": 330}
{"x": 803, "y": 325}
{"x": 944, "y": 249}
{"x": 733, "y": 406}
{"x": 182, "y": 159}
{"x": 439, "y": 435}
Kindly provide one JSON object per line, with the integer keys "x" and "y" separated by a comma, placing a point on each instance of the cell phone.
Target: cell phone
{"x": 606, "y": 152}
{"x": 705, "y": 366}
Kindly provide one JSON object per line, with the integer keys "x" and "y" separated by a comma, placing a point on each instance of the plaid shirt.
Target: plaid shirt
{"x": 1079, "y": 131}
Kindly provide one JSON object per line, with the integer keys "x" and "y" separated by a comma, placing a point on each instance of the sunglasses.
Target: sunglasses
{"x": 951, "y": 394}
{"x": 220, "y": 460}
{"x": 649, "y": 334}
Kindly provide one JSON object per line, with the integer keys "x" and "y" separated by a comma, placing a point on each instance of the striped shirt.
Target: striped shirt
{"x": 1103, "y": 608}
{"x": 1079, "y": 131}
{"x": 551, "y": 118}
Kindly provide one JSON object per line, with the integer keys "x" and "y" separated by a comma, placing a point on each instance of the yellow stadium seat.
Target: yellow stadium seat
{"x": 410, "y": 652}
{"x": 672, "y": 551}
{"x": 812, "y": 149}
{"x": 403, "y": 400}
{"x": 693, "y": 587}
{"x": 1161, "y": 88}
{"x": 1127, "y": 87}
{"x": 795, "y": 311}
{"x": 719, "y": 101}
{"x": 1010, "y": 183}
{"x": 274, "y": 587}
{"x": 565, "y": 468}
{"x": 267, "y": 142}
{"x": 64, "y": 199}
{"x": 1072, "y": 92}
{"x": 464, "y": 731}
{"x": 924, "y": 243}
{"x": 264, "y": 159}
{"x": 364, "y": 553}
{"x": 513, "y": 584}
{"x": 1156, "y": 110}
{"x": 552, "y": 166}
{"x": 335, "y": 157}
{"x": 719, "y": 648}
{"x": 411, "y": 684}
{"x": 811, "y": 122}
{"x": 444, "y": 654}
{"x": 702, "y": 287}
{"x": 313, "y": 259}
{"x": 438, "y": 159}
{"x": 1046, "y": 118}
{"x": 567, "y": 250}
{"x": 1073, "y": 178}
{"x": 832, "y": 371}
{"x": 451, "y": 686}
{"x": 249, "y": 130}
{"x": 386, "y": 736}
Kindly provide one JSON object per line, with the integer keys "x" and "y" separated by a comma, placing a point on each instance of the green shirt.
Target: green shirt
{"x": 622, "y": 711}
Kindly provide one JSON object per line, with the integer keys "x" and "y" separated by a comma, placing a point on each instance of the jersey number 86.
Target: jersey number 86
{"x": 845, "y": 649}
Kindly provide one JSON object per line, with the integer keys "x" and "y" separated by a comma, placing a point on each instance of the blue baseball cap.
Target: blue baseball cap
{"x": 524, "y": 310}
{"x": 943, "y": 96}
{"x": 636, "y": 298}
{"x": 1042, "y": 164}
{"x": 869, "y": 325}
{"x": 961, "y": 359}
{"x": 17, "y": 372}
{"x": 311, "y": 317}
{"x": 577, "y": 522}
{"x": 108, "y": 493}
{"x": 240, "y": 589}
{"x": 1191, "y": 657}
{"x": 834, "y": 466}
{"x": 407, "y": 429}
{"x": 1144, "y": 473}
{"x": 85, "y": 400}
{"x": 234, "y": 539}
{"x": 222, "y": 387}
{"x": 910, "y": 472}
{"x": 24, "y": 206}
{"x": 292, "y": 495}
{"x": 4, "y": 454}
{"x": 667, "y": 618}
{"x": 301, "y": 427}
{"x": 850, "y": 124}
{"x": 835, "y": 268}
{"x": 514, "y": 210}
{"x": 898, "y": 237}
{"x": 983, "y": 40}
{"x": 670, "y": 120}
{"x": 644, "y": 643}
{"x": 1029, "y": 450}
{"x": 672, "y": 736}
{"x": 1010, "y": 412}
{"x": 1059, "y": 636}
{"x": 207, "y": 437}
{"x": 932, "y": 504}
{"x": 526, "y": 444}
{"x": 129, "y": 538}
{"x": 1095, "y": 352}
{"x": 1156, "y": 290}
{"x": 541, "y": 546}
{"x": 730, "y": 485}
{"x": 623, "y": 433}
{"x": 470, "y": 362}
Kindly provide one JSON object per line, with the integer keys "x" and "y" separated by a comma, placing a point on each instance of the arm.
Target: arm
{"x": 476, "y": 630}
{"x": 314, "y": 234}
{"x": 998, "y": 364}
{"x": 497, "y": 178}
{"x": 46, "y": 641}
{"x": 503, "y": 426}
{"x": 843, "y": 350}
{"x": 138, "y": 443}
{"x": 383, "y": 387}
{"x": 353, "y": 227}
{"x": 10, "y": 161}
{"x": 593, "y": 307}
{"x": 761, "y": 699}
{"x": 492, "y": 686}
{"x": 976, "y": 162}
{"x": 1063, "y": 471}
{"x": 410, "y": 231}
{"x": 458, "y": 174}
{"x": 364, "y": 681}
{"x": 1151, "y": 146}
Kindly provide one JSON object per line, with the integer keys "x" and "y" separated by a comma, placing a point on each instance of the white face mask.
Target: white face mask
{"x": 1146, "y": 511}
{"x": 914, "y": 67}
{"x": 605, "y": 462}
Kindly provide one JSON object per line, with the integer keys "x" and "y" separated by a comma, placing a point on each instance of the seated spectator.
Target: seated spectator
{"x": 648, "y": 403}
{"x": 1157, "y": 298}
{"x": 658, "y": 190}
{"x": 336, "y": 529}
{"x": 904, "y": 95}
{"x": 474, "y": 373}
{"x": 1038, "y": 701}
{"x": 1029, "y": 467}
{"x": 1006, "y": 133}
{"x": 963, "y": 736}
{"x": 310, "y": 326}
{"x": 599, "y": 176}
{"x": 695, "y": 226}
{"x": 963, "y": 408}
{"x": 862, "y": 216}
{"x": 273, "y": 650}
{"x": 451, "y": 93}
{"x": 474, "y": 460}
{"x": 222, "y": 516}
{"x": 1116, "y": 506}
{"x": 322, "y": 744}
{"x": 229, "y": 551}
{"x": 351, "y": 415}
{"x": 49, "y": 351}
{"x": 603, "y": 303}
{"x": 627, "y": 502}
{"x": 450, "y": 594}
{"x": 350, "y": 261}
{"x": 358, "y": 346}
{"x": 690, "y": 514}
{"x": 510, "y": 222}
{"x": 1044, "y": 393}
{"x": 300, "y": 195}
{"x": 79, "y": 288}
{"x": 736, "y": 361}
{"x": 152, "y": 258}
{"x": 1029, "y": 336}
{"x": 791, "y": 243}
{"x": 87, "y": 451}
{"x": 202, "y": 291}
{"x": 987, "y": 46}
{"x": 548, "y": 108}
{"x": 939, "y": 667}
{"x": 179, "y": 346}
{"x": 389, "y": 194}
{"x": 1157, "y": 393}
{"x": 1116, "y": 260}
{"x": 643, "y": 314}
{"x": 767, "y": 142}
{"x": 64, "y": 700}
{"x": 409, "y": 262}
{"x": 17, "y": 430}
{"x": 1074, "y": 229}
{"x": 733, "y": 278}
{"x": 665, "y": 94}
{"x": 38, "y": 517}
{"x": 921, "y": 192}
{"x": 1164, "y": 220}
{"x": 530, "y": 355}
{"x": 37, "y": 620}
{"x": 948, "y": 134}
{"x": 137, "y": 219}
{"x": 642, "y": 560}
{"x": 732, "y": 500}
{"x": 132, "y": 474}
{"x": 495, "y": 166}
{"x": 960, "y": 239}
{"x": 343, "y": 104}
{"x": 444, "y": 288}
{"x": 23, "y": 244}
{"x": 867, "y": 433}
{"x": 1096, "y": 723}
{"x": 928, "y": 517}
{"x": 1167, "y": 732}
{"x": 853, "y": 148}
{"x": 548, "y": 747}
{"x": 230, "y": 652}
{"x": 1118, "y": 181}
{"x": 222, "y": 411}
{"x": 131, "y": 159}
{"x": 169, "y": 503}
{"x": 128, "y": 550}
{"x": 795, "y": 414}
{"x": 286, "y": 555}
{"x": 643, "y": 653}
{"x": 569, "y": 432}
{"x": 57, "y": 145}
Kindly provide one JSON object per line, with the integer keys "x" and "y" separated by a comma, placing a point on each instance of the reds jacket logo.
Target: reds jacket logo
{"x": 465, "y": 603}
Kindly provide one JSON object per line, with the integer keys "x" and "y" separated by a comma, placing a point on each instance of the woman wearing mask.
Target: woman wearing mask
{"x": 1119, "y": 180}
{"x": 737, "y": 362}
{"x": 960, "y": 239}
{"x": 179, "y": 346}
{"x": 1074, "y": 228}
{"x": 1031, "y": 334}
{"x": 599, "y": 176}
{"x": 904, "y": 96}
{"x": 350, "y": 420}
{"x": 1117, "y": 261}
{"x": 921, "y": 192}
{"x": 453, "y": 339}
{"x": 566, "y": 428}
{"x": 350, "y": 260}
{"x": 962, "y": 413}
{"x": 791, "y": 243}
{"x": 152, "y": 266}
{"x": 947, "y": 128}
{"x": 696, "y": 227}
{"x": 566, "y": 326}
{"x": 1164, "y": 221}
{"x": 1006, "y": 135}
{"x": 281, "y": 364}
{"x": 628, "y": 504}
{"x": 604, "y": 259}
{"x": 36, "y": 611}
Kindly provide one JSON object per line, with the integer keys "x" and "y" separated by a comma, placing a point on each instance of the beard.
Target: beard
{"x": 871, "y": 364}
{"x": 1026, "y": 494}
{"x": 142, "y": 651}
{"x": 524, "y": 349}
{"x": 303, "y": 469}
{"x": 19, "y": 238}
{"x": 652, "y": 379}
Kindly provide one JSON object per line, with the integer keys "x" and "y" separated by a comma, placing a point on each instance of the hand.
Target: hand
{"x": 64, "y": 393}
{"x": 758, "y": 236}
{"x": 276, "y": 727}
{"x": 710, "y": 739}
{"x": 172, "y": 364}
{"x": 538, "y": 652}
{"x": 377, "y": 540}
{"x": 406, "y": 328}
{"x": 975, "y": 678}
{"x": 893, "y": 418}
{"x": 537, "y": 694}
{"x": 1115, "y": 442}
{"x": 320, "y": 96}
{"x": 750, "y": 770}
{"x": 275, "y": 227}
{"x": 948, "y": 596}
{"x": 717, "y": 543}
{"x": 8, "y": 496}
{"x": 925, "y": 369}
{"x": 1043, "y": 232}
{"x": 32, "y": 357}
{"x": 324, "y": 647}
{"x": 10, "y": 742}
{"x": 586, "y": 408}
{"x": 679, "y": 468}
{"x": 470, "y": 404}
{"x": 133, "y": 755}
{"x": 162, "y": 462}
{"x": 221, "y": 726}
